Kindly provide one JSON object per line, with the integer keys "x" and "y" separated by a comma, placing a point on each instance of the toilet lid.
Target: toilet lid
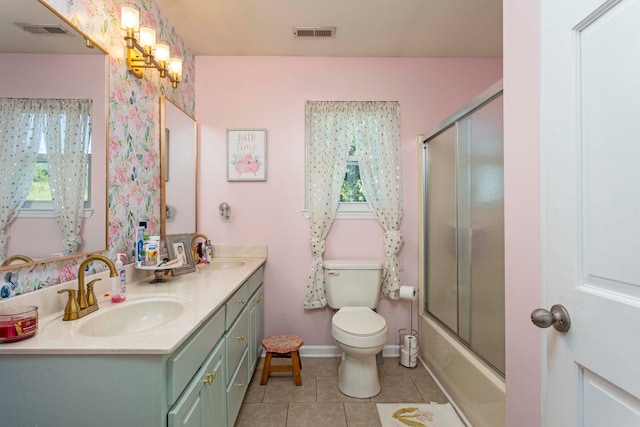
{"x": 359, "y": 321}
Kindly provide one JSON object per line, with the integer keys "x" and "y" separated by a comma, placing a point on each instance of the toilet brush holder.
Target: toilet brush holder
{"x": 408, "y": 344}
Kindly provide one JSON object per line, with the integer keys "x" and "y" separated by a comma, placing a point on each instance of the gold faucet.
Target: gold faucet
{"x": 12, "y": 258}
{"x": 86, "y": 302}
{"x": 194, "y": 248}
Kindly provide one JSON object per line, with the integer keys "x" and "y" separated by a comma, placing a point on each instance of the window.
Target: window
{"x": 353, "y": 203}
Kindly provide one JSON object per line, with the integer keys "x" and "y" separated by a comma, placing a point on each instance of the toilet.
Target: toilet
{"x": 353, "y": 288}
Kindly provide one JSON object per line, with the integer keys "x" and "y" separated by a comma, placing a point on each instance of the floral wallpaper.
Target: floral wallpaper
{"x": 134, "y": 135}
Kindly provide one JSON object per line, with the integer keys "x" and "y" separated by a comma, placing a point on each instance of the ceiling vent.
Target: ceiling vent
{"x": 314, "y": 32}
{"x": 42, "y": 29}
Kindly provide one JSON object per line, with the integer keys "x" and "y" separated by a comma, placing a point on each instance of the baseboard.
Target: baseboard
{"x": 334, "y": 351}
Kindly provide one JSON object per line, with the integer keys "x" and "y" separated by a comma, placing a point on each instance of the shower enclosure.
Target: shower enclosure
{"x": 465, "y": 230}
{"x": 462, "y": 253}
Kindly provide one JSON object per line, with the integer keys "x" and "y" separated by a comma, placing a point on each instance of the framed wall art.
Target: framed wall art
{"x": 246, "y": 154}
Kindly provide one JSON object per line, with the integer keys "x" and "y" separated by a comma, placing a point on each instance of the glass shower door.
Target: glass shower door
{"x": 465, "y": 230}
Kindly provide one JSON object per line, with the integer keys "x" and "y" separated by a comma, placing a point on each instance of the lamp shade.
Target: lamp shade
{"x": 162, "y": 52}
{"x": 175, "y": 68}
{"x": 147, "y": 37}
{"x": 129, "y": 17}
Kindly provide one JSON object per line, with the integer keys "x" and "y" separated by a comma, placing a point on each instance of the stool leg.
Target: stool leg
{"x": 299, "y": 358}
{"x": 295, "y": 365}
{"x": 265, "y": 369}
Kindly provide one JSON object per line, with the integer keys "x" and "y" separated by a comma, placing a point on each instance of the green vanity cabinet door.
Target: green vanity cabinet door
{"x": 204, "y": 402}
{"x": 256, "y": 328}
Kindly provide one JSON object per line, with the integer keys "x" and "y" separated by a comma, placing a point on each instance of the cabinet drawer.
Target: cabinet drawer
{"x": 184, "y": 362}
{"x": 255, "y": 280}
{"x": 236, "y": 303}
{"x": 237, "y": 341}
{"x": 236, "y": 390}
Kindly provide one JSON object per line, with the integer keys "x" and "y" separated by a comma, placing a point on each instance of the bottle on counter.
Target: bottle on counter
{"x": 119, "y": 284}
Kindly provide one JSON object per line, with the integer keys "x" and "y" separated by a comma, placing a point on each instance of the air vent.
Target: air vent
{"x": 42, "y": 29}
{"x": 314, "y": 32}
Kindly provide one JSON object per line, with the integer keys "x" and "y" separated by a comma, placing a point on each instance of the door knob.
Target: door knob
{"x": 558, "y": 317}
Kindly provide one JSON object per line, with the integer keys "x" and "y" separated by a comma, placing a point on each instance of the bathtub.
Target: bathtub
{"x": 477, "y": 392}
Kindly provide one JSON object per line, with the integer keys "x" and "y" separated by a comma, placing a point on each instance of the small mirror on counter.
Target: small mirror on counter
{"x": 178, "y": 169}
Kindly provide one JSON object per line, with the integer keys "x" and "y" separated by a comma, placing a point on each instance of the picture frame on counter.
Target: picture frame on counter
{"x": 180, "y": 254}
{"x": 246, "y": 154}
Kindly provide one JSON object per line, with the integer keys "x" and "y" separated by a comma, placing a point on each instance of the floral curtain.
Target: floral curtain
{"x": 68, "y": 139}
{"x": 20, "y": 133}
{"x": 378, "y": 142}
{"x": 328, "y": 134}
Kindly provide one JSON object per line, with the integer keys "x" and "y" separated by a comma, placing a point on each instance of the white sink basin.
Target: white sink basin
{"x": 224, "y": 264}
{"x": 133, "y": 316}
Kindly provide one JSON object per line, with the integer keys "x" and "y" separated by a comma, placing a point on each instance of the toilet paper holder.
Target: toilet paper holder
{"x": 408, "y": 345}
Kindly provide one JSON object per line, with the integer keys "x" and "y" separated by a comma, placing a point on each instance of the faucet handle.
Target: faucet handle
{"x": 91, "y": 296}
{"x": 72, "y": 309}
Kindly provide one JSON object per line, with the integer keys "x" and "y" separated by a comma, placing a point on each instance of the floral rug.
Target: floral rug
{"x": 418, "y": 415}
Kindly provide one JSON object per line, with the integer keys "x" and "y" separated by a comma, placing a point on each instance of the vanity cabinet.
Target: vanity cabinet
{"x": 204, "y": 402}
{"x": 201, "y": 383}
{"x": 256, "y": 328}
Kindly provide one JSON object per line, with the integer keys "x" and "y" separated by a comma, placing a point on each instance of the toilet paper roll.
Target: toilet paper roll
{"x": 410, "y": 342}
{"x": 407, "y": 292}
{"x": 406, "y": 359}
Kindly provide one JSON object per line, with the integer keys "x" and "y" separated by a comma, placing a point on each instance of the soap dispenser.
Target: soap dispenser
{"x": 119, "y": 283}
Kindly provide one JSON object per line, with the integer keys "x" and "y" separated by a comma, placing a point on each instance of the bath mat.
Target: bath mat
{"x": 418, "y": 415}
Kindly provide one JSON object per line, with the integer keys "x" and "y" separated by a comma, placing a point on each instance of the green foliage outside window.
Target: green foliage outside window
{"x": 40, "y": 189}
{"x": 352, "y": 185}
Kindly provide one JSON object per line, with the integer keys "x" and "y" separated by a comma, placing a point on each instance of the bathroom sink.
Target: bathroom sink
{"x": 224, "y": 264}
{"x": 133, "y": 316}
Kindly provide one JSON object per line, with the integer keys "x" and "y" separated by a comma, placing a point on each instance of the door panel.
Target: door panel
{"x": 591, "y": 206}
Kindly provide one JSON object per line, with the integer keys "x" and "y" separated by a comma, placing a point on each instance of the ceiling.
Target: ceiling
{"x": 14, "y": 39}
{"x": 367, "y": 28}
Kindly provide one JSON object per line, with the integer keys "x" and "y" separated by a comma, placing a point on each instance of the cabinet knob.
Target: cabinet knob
{"x": 241, "y": 385}
{"x": 210, "y": 377}
{"x": 241, "y": 301}
{"x": 241, "y": 338}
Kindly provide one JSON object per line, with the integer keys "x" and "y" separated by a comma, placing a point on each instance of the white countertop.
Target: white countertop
{"x": 204, "y": 292}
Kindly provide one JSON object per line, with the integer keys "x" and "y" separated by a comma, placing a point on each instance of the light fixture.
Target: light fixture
{"x": 225, "y": 212}
{"x": 143, "y": 51}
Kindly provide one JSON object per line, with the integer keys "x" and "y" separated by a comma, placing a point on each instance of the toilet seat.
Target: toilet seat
{"x": 359, "y": 327}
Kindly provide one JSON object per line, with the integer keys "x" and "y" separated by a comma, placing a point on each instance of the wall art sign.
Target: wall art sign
{"x": 246, "y": 154}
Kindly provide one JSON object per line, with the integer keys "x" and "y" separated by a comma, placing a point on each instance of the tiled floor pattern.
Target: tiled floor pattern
{"x": 319, "y": 403}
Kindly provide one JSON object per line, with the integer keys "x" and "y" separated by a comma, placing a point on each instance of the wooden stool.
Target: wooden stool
{"x": 282, "y": 345}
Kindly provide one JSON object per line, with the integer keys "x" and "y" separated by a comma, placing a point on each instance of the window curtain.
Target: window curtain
{"x": 378, "y": 141}
{"x": 20, "y": 133}
{"x": 328, "y": 133}
{"x": 67, "y": 137}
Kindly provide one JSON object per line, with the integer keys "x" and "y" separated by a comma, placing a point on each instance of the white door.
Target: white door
{"x": 591, "y": 210}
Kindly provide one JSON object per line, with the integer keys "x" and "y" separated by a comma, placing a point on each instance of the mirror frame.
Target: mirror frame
{"x": 163, "y": 166}
{"x": 90, "y": 41}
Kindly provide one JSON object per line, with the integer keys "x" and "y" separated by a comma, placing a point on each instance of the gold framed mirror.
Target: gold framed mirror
{"x": 178, "y": 170}
{"x": 44, "y": 57}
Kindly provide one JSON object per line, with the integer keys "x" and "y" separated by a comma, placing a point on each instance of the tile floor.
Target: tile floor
{"x": 318, "y": 402}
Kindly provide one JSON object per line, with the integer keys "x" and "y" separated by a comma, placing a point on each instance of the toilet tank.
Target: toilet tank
{"x": 352, "y": 283}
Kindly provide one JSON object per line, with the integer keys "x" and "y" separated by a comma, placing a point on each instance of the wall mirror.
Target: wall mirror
{"x": 178, "y": 169}
{"x": 42, "y": 56}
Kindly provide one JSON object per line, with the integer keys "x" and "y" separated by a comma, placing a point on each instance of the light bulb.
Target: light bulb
{"x": 175, "y": 67}
{"x": 147, "y": 37}
{"x": 162, "y": 52}
{"x": 129, "y": 17}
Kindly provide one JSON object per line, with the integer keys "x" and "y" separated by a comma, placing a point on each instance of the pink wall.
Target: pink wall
{"x": 61, "y": 76}
{"x": 522, "y": 210}
{"x": 270, "y": 92}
